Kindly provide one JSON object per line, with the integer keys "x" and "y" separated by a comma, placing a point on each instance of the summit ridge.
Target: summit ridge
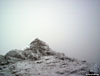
{"x": 40, "y": 60}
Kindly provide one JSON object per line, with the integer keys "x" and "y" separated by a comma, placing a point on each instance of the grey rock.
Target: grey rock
{"x": 3, "y": 61}
{"x": 38, "y": 46}
{"x": 95, "y": 69}
{"x": 40, "y": 60}
{"x": 14, "y": 56}
{"x": 28, "y": 54}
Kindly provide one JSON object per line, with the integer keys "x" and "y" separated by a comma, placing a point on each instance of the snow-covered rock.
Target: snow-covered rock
{"x": 48, "y": 66}
{"x": 14, "y": 56}
{"x": 28, "y": 54}
{"x": 38, "y": 46}
{"x": 95, "y": 69}
{"x": 39, "y": 60}
{"x": 3, "y": 61}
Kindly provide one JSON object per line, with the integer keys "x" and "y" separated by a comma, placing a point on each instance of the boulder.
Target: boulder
{"x": 3, "y": 61}
{"x": 38, "y": 46}
{"x": 95, "y": 69}
{"x": 14, "y": 56}
{"x": 28, "y": 54}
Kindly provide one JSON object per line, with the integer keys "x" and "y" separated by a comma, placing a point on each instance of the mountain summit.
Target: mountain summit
{"x": 39, "y": 46}
{"x": 37, "y": 43}
{"x": 35, "y": 51}
{"x": 39, "y": 60}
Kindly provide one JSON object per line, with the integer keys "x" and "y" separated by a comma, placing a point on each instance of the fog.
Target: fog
{"x": 69, "y": 26}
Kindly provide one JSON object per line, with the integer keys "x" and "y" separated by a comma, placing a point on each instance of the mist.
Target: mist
{"x": 69, "y": 26}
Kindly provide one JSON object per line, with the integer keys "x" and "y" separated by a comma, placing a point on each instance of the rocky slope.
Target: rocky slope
{"x": 39, "y": 60}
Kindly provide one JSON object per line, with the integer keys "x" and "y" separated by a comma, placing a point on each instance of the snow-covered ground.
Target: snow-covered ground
{"x": 40, "y": 60}
{"x": 48, "y": 66}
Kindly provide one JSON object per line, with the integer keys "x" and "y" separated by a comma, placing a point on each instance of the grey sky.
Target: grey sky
{"x": 69, "y": 26}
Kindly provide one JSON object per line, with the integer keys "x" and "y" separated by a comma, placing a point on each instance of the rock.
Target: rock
{"x": 3, "y": 61}
{"x": 95, "y": 69}
{"x": 28, "y": 54}
{"x": 39, "y": 60}
{"x": 41, "y": 68}
{"x": 48, "y": 53}
{"x": 38, "y": 46}
{"x": 14, "y": 56}
{"x": 37, "y": 49}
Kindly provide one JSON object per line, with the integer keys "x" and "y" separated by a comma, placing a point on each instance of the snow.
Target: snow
{"x": 49, "y": 66}
{"x": 40, "y": 60}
